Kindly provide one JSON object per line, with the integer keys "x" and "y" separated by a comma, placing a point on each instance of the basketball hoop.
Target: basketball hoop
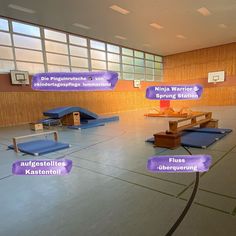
{"x": 216, "y": 77}
{"x": 215, "y": 80}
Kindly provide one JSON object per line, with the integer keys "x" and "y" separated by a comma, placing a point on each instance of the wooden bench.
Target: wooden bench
{"x": 172, "y": 137}
{"x": 176, "y": 127}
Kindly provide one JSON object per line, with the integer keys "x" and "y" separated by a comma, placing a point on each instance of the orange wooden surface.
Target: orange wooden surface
{"x": 193, "y": 67}
{"x": 122, "y": 85}
{"x": 22, "y": 105}
{"x": 196, "y": 64}
{"x": 25, "y": 107}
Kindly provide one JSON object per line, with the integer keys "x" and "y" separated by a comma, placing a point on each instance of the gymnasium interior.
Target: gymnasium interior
{"x": 108, "y": 135}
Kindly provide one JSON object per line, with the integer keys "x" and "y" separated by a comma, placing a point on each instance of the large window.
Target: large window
{"x": 114, "y": 59}
{"x": 6, "y": 51}
{"x": 57, "y": 53}
{"x": 37, "y": 49}
{"x": 27, "y": 45}
{"x": 78, "y": 49}
{"x": 139, "y": 65}
{"x": 98, "y": 55}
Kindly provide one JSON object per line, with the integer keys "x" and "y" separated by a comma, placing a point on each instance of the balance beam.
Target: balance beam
{"x": 176, "y": 127}
{"x": 15, "y": 139}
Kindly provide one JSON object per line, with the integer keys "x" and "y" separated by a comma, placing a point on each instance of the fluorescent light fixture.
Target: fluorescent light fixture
{"x": 157, "y": 26}
{"x": 120, "y": 37}
{"x": 20, "y": 8}
{"x": 81, "y": 26}
{"x": 119, "y": 9}
{"x": 180, "y": 36}
{"x": 204, "y": 11}
{"x": 223, "y": 26}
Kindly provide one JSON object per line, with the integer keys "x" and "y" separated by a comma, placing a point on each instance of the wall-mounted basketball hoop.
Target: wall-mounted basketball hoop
{"x": 216, "y": 77}
{"x": 20, "y": 77}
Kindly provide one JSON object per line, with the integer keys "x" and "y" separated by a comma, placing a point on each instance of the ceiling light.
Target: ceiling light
{"x": 119, "y": 9}
{"x": 180, "y": 36}
{"x": 204, "y": 11}
{"x": 19, "y": 8}
{"x": 120, "y": 37}
{"x": 223, "y": 26}
{"x": 81, "y": 26}
{"x": 157, "y": 26}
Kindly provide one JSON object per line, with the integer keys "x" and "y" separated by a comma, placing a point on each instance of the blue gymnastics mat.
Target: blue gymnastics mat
{"x": 197, "y": 139}
{"x": 103, "y": 119}
{"x": 209, "y": 130}
{"x": 40, "y": 147}
{"x": 85, "y": 126}
{"x": 200, "y": 139}
{"x": 62, "y": 111}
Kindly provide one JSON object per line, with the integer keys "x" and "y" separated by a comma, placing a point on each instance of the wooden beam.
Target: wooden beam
{"x": 175, "y": 127}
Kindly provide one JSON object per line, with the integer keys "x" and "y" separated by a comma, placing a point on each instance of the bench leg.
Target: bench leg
{"x": 15, "y": 145}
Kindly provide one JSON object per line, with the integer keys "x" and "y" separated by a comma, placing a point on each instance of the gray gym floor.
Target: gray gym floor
{"x": 110, "y": 192}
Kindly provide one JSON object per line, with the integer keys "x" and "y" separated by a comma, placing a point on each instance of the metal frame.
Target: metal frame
{"x": 45, "y": 63}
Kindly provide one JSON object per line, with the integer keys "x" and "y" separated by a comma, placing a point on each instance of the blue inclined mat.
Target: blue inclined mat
{"x": 103, "y": 119}
{"x": 200, "y": 140}
{"x": 85, "y": 126}
{"x": 209, "y": 130}
{"x": 62, "y": 111}
{"x": 40, "y": 147}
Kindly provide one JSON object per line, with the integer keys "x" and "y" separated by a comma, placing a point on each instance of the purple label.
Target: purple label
{"x": 42, "y": 167}
{"x": 174, "y": 92}
{"x": 81, "y": 81}
{"x": 179, "y": 163}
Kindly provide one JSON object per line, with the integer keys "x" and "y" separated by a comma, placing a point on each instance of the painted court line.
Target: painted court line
{"x": 132, "y": 171}
{"x": 218, "y": 194}
{"x": 220, "y": 159}
{"x": 126, "y": 181}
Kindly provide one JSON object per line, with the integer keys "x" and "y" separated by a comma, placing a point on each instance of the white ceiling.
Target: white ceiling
{"x": 178, "y": 17}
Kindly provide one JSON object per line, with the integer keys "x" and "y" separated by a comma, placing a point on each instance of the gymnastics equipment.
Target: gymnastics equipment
{"x": 76, "y": 116}
{"x": 85, "y": 126}
{"x": 204, "y": 121}
{"x": 198, "y": 137}
{"x": 49, "y": 122}
{"x": 209, "y": 130}
{"x": 59, "y": 112}
{"x": 170, "y": 112}
{"x": 71, "y": 119}
{"x": 38, "y": 147}
{"x": 36, "y": 126}
{"x": 172, "y": 137}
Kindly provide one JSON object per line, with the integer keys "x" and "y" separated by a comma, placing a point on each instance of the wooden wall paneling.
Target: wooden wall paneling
{"x": 25, "y": 107}
{"x": 197, "y": 64}
{"x": 123, "y": 101}
{"x": 113, "y": 102}
{"x": 211, "y": 97}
